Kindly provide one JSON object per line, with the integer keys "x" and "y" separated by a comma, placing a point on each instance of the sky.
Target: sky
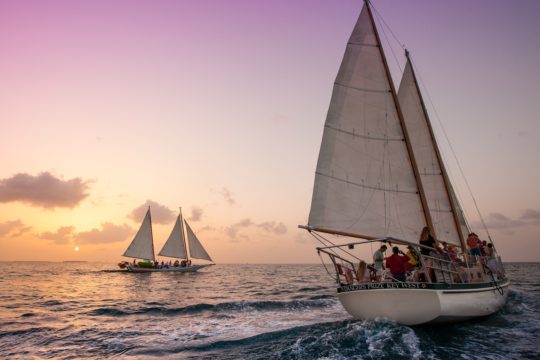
{"x": 218, "y": 107}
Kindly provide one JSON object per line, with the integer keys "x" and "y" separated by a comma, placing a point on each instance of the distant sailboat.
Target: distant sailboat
{"x": 142, "y": 247}
{"x": 380, "y": 177}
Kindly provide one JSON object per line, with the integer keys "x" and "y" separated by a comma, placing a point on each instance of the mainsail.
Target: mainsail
{"x": 175, "y": 246}
{"x": 365, "y": 183}
{"x": 442, "y": 203}
{"x": 196, "y": 249}
{"x": 142, "y": 245}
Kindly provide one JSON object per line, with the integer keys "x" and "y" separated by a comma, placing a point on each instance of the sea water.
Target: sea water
{"x": 83, "y": 310}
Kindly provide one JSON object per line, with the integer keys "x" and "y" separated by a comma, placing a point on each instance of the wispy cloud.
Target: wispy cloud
{"x": 228, "y": 196}
{"x": 14, "y": 228}
{"x": 63, "y": 235}
{"x": 269, "y": 226}
{"x": 44, "y": 190}
{"x": 530, "y": 214}
{"x": 160, "y": 213}
{"x": 501, "y": 221}
{"x": 196, "y": 213}
{"x": 107, "y": 234}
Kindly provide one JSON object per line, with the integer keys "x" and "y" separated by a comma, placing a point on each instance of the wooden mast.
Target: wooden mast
{"x": 151, "y": 235}
{"x": 423, "y": 198}
{"x": 184, "y": 236}
{"x": 446, "y": 180}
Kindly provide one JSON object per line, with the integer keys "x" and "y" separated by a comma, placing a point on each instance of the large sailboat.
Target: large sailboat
{"x": 380, "y": 178}
{"x": 142, "y": 247}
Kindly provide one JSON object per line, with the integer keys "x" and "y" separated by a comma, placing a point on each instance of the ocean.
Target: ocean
{"x": 83, "y": 311}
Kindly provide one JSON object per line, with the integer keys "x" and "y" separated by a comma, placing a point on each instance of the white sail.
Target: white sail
{"x": 175, "y": 245}
{"x": 142, "y": 245}
{"x": 438, "y": 192}
{"x": 196, "y": 250}
{"x": 365, "y": 184}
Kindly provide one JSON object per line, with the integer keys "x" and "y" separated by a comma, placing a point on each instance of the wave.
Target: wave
{"x": 319, "y": 301}
{"x": 343, "y": 339}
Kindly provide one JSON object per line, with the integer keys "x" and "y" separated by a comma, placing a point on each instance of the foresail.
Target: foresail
{"x": 175, "y": 245}
{"x": 364, "y": 182}
{"x": 196, "y": 250}
{"x": 142, "y": 245}
{"x": 437, "y": 191}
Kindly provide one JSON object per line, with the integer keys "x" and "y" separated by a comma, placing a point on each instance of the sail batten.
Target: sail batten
{"x": 142, "y": 245}
{"x": 385, "y": 199}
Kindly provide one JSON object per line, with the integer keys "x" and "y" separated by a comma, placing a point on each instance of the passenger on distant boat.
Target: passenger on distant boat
{"x": 397, "y": 264}
{"x": 378, "y": 261}
{"x": 183, "y": 263}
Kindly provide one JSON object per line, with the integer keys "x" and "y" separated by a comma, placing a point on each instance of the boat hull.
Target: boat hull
{"x": 192, "y": 268}
{"x": 416, "y": 303}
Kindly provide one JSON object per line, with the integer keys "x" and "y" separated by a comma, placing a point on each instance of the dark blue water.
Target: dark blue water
{"x": 77, "y": 310}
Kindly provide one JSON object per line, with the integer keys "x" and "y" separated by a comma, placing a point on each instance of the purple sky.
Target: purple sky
{"x": 218, "y": 106}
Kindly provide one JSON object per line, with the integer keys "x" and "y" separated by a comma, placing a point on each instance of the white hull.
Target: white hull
{"x": 421, "y": 305}
{"x": 192, "y": 268}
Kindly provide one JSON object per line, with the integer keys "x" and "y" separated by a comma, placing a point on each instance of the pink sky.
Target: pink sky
{"x": 219, "y": 106}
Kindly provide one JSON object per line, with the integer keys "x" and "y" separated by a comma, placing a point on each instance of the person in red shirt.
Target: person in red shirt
{"x": 397, "y": 264}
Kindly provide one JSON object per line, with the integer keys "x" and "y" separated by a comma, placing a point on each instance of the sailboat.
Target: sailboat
{"x": 380, "y": 180}
{"x": 142, "y": 247}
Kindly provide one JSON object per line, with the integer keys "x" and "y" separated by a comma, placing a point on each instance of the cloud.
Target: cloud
{"x": 499, "y": 221}
{"x": 196, "y": 213}
{"x": 228, "y": 196}
{"x": 14, "y": 228}
{"x": 269, "y": 226}
{"x": 233, "y": 229}
{"x": 107, "y": 234}
{"x": 160, "y": 213}
{"x": 61, "y": 236}
{"x": 44, "y": 190}
{"x": 531, "y": 214}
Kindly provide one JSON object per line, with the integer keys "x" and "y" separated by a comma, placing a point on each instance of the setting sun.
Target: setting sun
{"x": 76, "y": 248}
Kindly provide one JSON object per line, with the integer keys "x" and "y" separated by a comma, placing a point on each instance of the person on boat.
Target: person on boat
{"x": 176, "y": 263}
{"x": 413, "y": 260}
{"x": 397, "y": 264}
{"x": 378, "y": 261}
{"x": 428, "y": 241}
{"x": 452, "y": 252}
{"x": 472, "y": 243}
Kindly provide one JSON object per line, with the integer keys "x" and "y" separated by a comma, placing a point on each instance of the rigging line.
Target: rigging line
{"x": 453, "y": 153}
{"x": 385, "y": 24}
{"x": 337, "y": 248}
{"x": 391, "y": 48}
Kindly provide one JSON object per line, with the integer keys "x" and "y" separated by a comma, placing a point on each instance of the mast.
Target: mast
{"x": 445, "y": 177}
{"x": 422, "y": 194}
{"x": 151, "y": 234}
{"x": 183, "y": 234}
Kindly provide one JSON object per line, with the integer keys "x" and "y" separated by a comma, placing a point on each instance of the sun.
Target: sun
{"x": 76, "y": 248}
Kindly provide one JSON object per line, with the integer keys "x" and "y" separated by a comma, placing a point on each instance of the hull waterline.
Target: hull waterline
{"x": 417, "y": 305}
{"x": 192, "y": 268}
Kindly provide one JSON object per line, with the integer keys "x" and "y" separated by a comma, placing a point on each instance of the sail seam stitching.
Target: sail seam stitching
{"x": 366, "y": 186}
{"x": 362, "y": 136}
{"x": 362, "y": 89}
